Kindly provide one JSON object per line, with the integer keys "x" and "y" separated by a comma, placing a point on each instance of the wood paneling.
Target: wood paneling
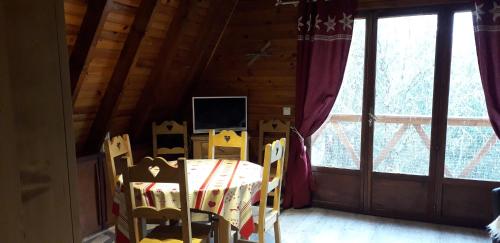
{"x": 467, "y": 203}
{"x": 340, "y": 190}
{"x": 41, "y": 146}
{"x": 189, "y": 64}
{"x": 74, "y": 12}
{"x": 105, "y": 58}
{"x": 89, "y": 195}
{"x": 86, "y": 40}
{"x": 270, "y": 82}
{"x": 10, "y": 206}
{"x": 128, "y": 56}
{"x": 167, "y": 52}
{"x": 399, "y": 195}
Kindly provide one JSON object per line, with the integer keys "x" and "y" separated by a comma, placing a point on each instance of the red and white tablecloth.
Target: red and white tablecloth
{"x": 223, "y": 187}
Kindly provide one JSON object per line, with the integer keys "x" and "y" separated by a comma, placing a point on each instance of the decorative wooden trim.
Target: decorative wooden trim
{"x": 114, "y": 89}
{"x": 167, "y": 53}
{"x": 85, "y": 43}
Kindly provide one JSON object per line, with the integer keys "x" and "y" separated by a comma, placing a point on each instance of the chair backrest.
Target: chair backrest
{"x": 115, "y": 148}
{"x": 157, "y": 171}
{"x": 274, "y": 127}
{"x": 227, "y": 138}
{"x": 170, "y": 128}
{"x": 274, "y": 153}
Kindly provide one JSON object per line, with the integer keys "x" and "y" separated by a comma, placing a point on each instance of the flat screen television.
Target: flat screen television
{"x": 219, "y": 113}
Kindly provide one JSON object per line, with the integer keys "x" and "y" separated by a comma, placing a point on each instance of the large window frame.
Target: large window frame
{"x": 439, "y": 187}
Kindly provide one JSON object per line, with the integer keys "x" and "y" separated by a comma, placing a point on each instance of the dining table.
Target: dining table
{"x": 226, "y": 188}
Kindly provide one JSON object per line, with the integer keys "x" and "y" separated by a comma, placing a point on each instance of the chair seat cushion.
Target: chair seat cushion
{"x": 173, "y": 234}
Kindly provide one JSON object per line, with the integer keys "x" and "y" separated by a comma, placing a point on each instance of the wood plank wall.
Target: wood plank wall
{"x": 270, "y": 82}
{"x": 37, "y": 142}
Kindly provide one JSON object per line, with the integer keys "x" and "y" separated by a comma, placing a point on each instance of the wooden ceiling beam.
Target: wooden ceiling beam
{"x": 128, "y": 56}
{"x": 165, "y": 58}
{"x": 86, "y": 41}
{"x": 213, "y": 37}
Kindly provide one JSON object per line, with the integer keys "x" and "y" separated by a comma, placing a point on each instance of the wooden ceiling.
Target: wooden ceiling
{"x": 123, "y": 51}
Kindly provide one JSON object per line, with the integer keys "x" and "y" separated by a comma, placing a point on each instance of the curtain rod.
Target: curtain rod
{"x": 281, "y": 2}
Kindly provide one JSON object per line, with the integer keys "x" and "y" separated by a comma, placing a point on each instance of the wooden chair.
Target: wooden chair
{"x": 264, "y": 216}
{"x": 158, "y": 171}
{"x": 227, "y": 138}
{"x": 274, "y": 127}
{"x": 170, "y": 128}
{"x": 116, "y": 148}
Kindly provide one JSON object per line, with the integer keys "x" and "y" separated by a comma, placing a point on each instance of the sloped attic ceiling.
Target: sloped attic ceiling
{"x": 122, "y": 50}
{"x": 133, "y": 61}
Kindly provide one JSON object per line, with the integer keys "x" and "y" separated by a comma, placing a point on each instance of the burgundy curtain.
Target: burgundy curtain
{"x": 324, "y": 37}
{"x": 486, "y": 20}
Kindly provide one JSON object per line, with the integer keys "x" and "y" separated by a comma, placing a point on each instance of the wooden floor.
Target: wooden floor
{"x": 321, "y": 225}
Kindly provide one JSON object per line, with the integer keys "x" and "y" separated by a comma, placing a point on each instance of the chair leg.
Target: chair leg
{"x": 236, "y": 236}
{"x": 262, "y": 236}
{"x": 277, "y": 232}
{"x": 215, "y": 231}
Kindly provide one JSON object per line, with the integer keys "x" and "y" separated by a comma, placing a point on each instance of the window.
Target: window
{"x": 403, "y": 94}
{"x": 472, "y": 148}
{"x": 337, "y": 143}
{"x": 404, "y": 82}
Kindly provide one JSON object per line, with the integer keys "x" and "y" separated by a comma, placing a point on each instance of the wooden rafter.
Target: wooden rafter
{"x": 92, "y": 23}
{"x": 165, "y": 58}
{"x": 127, "y": 58}
{"x": 207, "y": 51}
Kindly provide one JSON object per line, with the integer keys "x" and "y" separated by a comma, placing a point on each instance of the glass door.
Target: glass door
{"x": 336, "y": 146}
{"x": 409, "y": 136}
{"x": 403, "y": 113}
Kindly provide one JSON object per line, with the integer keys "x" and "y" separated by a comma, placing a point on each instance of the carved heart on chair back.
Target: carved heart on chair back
{"x": 154, "y": 170}
{"x": 274, "y": 125}
{"x": 227, "y": 138}
{"x": 169, "y": 127}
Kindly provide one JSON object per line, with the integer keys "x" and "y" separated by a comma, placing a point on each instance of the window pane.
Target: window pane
{"x": 472, "y": 148}
{"x": 337, "y": 143}
{"x": 403, "y": 100}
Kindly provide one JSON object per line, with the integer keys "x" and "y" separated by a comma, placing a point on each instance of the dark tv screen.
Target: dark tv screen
{"x": 219, "y": 113}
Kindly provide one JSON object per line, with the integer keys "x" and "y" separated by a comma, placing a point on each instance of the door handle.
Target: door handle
{"x": 371, "y": 119}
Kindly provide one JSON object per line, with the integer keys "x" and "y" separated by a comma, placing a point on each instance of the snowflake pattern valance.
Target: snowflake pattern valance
{"x": 325, "y": 20}
{"x": 487, "y": 16}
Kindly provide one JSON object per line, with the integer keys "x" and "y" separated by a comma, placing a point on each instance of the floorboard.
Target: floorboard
{"x": 322, "y": 225}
